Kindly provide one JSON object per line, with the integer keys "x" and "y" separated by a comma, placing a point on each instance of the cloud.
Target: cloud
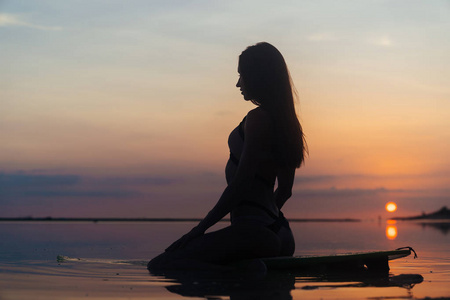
{"x": 14, "y": 187}
{"x": 322, "y": 37}
{"x": 7, "y": 20}
{"x": 382, "y": 41}
{"x": 144, "y": 180}
{"x": 27, "y": 180}
{"x": 331, "y": 180}
{"x": 182, "y": 195}
{"x": 344, "y": 193}
{"x": 17, "y": 186}
{"x": 80, "y": 194}
{"x": 315, "y": 178}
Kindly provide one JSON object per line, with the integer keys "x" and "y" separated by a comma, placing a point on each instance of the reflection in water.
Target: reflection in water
{"x": 391, "y": 229}
{"x": 443, "y": 226}
{"x": 236, "y": 286}
{"x": 407, "y": 281}
{"x": 391, "y": 232}
{"x": 276, "y": 285}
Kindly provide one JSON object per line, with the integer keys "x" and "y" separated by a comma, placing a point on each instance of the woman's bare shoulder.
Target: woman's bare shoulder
{"x": 258, "y": 115}
{"x": 258, "y": 123}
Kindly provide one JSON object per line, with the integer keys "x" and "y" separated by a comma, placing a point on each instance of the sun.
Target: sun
{"x": 391, "y": 206}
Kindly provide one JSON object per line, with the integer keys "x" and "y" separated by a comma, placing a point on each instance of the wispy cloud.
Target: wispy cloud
{"x": 7, "y": 20}
{"x": 14, "y": 187}
{"x": 29, "y": 180}
{"x": 345, "y": 193}
{"x": 322, "y": 37}
{"x": 145, "y": 180}
{"x": 382, "y": 41}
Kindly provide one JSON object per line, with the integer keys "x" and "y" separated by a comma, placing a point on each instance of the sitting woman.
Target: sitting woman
{"x": 267, "y": 146}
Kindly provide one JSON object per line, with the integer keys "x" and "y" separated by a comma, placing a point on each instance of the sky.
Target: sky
{"x": 123, "y": 108}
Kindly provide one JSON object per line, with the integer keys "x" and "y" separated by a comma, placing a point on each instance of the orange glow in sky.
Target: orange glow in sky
{"x": 391, "y": 206}
{"x": 142, "y": 111}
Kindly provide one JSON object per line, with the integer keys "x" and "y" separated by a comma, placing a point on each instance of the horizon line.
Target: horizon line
{"x": 106, "y": 219}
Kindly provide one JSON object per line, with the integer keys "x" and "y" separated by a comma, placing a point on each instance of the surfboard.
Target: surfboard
{"x": 376, "y": 261}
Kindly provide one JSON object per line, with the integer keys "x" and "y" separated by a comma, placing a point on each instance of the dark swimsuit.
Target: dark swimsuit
{"x": 280, "y": 220}
{"x": 235, "y": 160}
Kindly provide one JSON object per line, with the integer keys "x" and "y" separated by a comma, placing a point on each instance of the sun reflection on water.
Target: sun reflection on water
{"x": 391, "y": 232}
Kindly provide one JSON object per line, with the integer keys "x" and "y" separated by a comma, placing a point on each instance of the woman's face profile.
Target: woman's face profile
{"x": 241, "y": 85}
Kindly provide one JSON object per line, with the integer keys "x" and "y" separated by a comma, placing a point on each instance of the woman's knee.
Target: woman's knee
{"x": 158, "y": 262}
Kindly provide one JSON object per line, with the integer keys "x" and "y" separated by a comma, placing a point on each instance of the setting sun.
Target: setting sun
{"x": 391, "y": 206}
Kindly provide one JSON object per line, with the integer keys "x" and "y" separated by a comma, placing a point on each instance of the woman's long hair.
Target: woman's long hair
{"x": 267, "y": 80}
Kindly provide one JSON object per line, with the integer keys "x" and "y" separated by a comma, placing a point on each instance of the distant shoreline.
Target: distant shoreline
{"x": 95, "y": 220}
{"x": 442, "y": 214}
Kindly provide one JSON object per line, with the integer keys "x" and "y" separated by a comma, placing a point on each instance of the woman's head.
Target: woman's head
{"x": 265, "y": 80}
{"x": 264, "y": 75}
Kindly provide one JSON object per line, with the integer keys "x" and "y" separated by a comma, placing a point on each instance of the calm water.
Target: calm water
{"x": 29, "y": 269}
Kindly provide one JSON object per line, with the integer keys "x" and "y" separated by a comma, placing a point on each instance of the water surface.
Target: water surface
{"x": 29, "y": 269}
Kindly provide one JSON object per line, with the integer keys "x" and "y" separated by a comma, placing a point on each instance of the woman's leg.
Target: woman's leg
{"x": 287, "y": 241}
{"x": 240, "y": 241}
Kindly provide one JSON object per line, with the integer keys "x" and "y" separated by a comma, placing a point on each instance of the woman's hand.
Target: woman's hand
{"x": 185, "y": 239}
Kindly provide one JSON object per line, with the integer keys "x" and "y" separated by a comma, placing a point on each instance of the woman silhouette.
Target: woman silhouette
{"x": 267, "y": 146}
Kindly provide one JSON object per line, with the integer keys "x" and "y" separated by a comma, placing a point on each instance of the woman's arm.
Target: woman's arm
{"x": 257, "y": 142}
{"x": 285, "y": 183}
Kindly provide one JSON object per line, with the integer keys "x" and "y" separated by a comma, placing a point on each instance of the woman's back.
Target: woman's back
{"x": 258, "y": 199}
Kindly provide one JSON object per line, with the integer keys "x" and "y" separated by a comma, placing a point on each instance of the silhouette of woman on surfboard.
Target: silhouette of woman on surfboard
{"x": 266, "y": 147}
